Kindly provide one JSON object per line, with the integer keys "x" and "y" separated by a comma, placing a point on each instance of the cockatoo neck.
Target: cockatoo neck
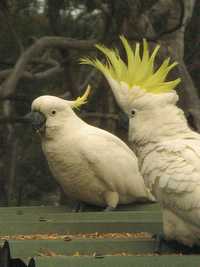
{"x": 157, "y": 124}
{"x": 121, "y": 93}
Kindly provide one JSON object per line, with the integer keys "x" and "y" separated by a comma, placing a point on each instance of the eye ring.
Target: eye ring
{"x": 53, "y": 112}
{"x": 132, "y": 112}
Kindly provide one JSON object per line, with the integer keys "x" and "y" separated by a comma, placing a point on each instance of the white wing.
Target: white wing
{"x": 114, "y": 163}
{"x": 172, "y": 172}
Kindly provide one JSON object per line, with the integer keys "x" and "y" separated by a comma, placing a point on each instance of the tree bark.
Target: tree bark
{"x": 12, "y": 159}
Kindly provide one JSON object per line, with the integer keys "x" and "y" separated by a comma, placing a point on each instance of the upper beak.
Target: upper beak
{"x": 37, "y": 119}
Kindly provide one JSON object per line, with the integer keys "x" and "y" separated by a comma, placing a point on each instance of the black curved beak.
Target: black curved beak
{"x": 36, "y": 119}
{"x": 123, "y": 121}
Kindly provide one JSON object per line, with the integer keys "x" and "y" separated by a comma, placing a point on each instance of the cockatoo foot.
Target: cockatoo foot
{"x": 173, "y": 246}
{"x": 170, "y": 245}
{"x": 189, "y": 250}
{"x": 111, "y": 199}
{"x": 109, "y": 208}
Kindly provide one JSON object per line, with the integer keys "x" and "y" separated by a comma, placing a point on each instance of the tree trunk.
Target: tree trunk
{"x": 176, "y": 15}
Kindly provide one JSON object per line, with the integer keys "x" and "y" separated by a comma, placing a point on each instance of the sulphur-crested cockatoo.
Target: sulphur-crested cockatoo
{"x": 167, "y": 149}
{"x": 90, "y": 164}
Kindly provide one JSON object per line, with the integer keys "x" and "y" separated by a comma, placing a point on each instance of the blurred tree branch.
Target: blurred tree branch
{"x": 43, "y": 75}
{"x": 9, "y": 86}
{"x": 5, "y": 11}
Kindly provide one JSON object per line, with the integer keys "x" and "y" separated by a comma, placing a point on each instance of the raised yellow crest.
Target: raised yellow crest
{"x": 81, "y": 100}
{"x": 138, "y": 71}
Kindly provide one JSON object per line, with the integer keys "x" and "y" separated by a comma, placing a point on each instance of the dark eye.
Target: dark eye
{"x": 53, "y": 112}
{"x": 132, "y": 112}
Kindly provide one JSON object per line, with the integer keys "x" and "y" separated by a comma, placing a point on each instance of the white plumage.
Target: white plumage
{"x": 90, "y": 164}
{"x": 169, "y": 160}
{"x": 172, "y": 172}
{"x": 167, "y": 149}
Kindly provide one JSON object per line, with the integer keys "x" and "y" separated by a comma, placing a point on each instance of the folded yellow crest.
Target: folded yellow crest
{"x": 138, "y": 71}
{"x": 81, "y": 100}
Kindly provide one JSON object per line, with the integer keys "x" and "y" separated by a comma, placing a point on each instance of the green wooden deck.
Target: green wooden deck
{"x": 73, "y": 244}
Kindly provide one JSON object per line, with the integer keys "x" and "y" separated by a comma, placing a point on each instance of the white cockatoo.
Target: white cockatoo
{"x": 90, "y": 164}
{"x": 167, "y": 149}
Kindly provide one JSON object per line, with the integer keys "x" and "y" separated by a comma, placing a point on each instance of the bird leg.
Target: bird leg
{"x": 160, "y": 240}
{"x": 111, "y": 199}
{"x": 79, "y": 207}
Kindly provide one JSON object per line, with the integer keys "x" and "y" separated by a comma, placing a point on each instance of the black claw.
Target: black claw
{"x": 187, "y": 250}
{"x": 173, "y": 246}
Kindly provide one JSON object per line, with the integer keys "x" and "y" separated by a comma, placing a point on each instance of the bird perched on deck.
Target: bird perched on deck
{"x": 167, "y": 149}
{"x": 90, "y": 164}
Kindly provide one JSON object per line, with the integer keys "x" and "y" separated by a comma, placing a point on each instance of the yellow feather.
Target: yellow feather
{"x": 81, "y": 100}
{"x": 166, "y": 86}
{"x": 139, "y": 69}
{"x": 129, "y": 71}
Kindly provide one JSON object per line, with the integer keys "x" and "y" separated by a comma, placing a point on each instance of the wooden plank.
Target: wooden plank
{"x": 120, "y": 261}
{"x": 31, "y": 248}
{"x": 121, "y": 216}
{"x": 75, "y": 227}
{"x": 82, "y": 223}
{"x": 33, "y": 209}
{"x": 59, "y": 209}
{"x": 139, "y": 207}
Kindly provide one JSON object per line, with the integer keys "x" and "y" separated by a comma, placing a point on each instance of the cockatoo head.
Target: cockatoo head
{"x": 50, "y": 111}
{"x": 141, "y": 91}
{"x": 135, "y": 84}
